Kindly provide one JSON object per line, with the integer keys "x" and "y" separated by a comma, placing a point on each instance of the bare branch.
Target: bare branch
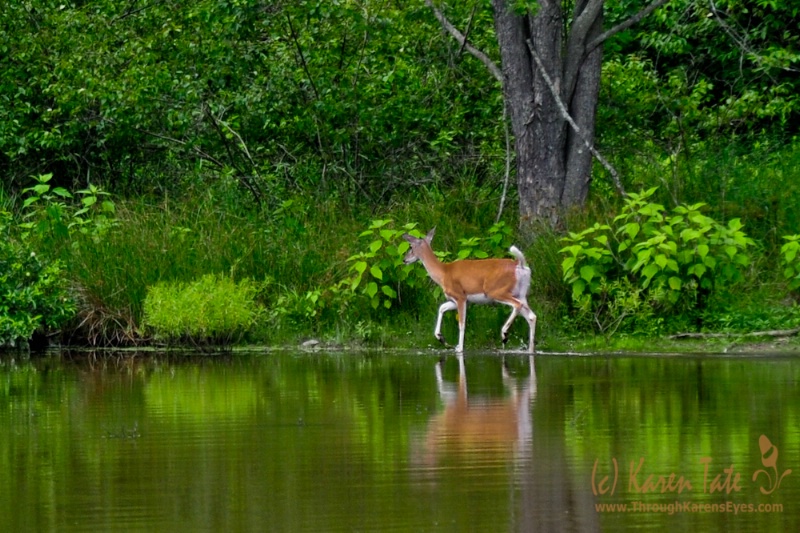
{"x": 295, "y": 39}
{"x": 624, "y": 25}
{"x": 565, "y": 113}
{"x": 462, "y": 40}
{"x": 469, "y": 28}
{"x": 508, "y": 161}
{"x": 248, "y": 183}
{"x": 200, "y": 153}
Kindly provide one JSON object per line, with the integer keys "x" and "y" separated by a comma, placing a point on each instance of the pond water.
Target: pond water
{"x": 399, "y": 442}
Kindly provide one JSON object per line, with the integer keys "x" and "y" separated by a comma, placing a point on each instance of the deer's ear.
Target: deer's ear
{"x": 431, "y": 233}
{"x": 409, "y": 238}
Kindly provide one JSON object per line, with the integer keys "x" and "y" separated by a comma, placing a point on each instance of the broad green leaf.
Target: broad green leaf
{"x": 567, "y": 264}
{"x": 698, "y": 270}
{"x": 587, "y": 272}
{"x": 376, "y": 272}
{"x": 689, "y": 234}
{"x": 650, "y": 270}
{"x": 372, "y": 289}
{"x": 379, "y": 223}
{"x": 578, "y": 288}
{"x": 388, "y": 291}
{"x": 673, "y": 265}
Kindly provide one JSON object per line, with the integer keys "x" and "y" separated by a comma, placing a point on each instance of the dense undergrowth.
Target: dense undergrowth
{"x": 163, "y": 270}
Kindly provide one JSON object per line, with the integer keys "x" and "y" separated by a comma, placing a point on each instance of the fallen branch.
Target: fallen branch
{"x": 769, "y": 333}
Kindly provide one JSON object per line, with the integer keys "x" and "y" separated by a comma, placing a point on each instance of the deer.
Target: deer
{"x": 481, "y": 281}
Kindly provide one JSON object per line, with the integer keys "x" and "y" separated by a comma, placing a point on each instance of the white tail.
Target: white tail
{"x": 479, "y": 281}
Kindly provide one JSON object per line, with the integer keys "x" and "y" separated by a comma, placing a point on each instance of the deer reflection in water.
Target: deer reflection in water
{"x": 476, "y": 433}
{"x": 481, "y": 424}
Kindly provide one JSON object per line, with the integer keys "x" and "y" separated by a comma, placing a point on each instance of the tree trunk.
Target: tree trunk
{"x": 553, "y": 163}
{"x": 583, "y": 108}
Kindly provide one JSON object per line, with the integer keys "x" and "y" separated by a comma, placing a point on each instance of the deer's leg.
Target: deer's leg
{"x": 507, "y": 325}
{"x": 449, "y": 305}
{"x": 462, "y": 324}
{"x": 520, "y": 307}
{"x": 530, "y": 316}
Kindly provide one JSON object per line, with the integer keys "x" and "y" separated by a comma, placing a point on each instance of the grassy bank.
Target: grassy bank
{"x": 296, "y": 253}
{"x": 298, "y": 258}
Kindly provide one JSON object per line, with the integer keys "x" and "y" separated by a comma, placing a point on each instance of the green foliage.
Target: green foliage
{"x": 748, "y": 318}
{"x": 721, "y": 67}
{"x": 377, "y": 272}
{"x": 496, "y": 243}
{"x": 790, "y": 260}
{"x": 51, "y": 213}
{"x": 343, "y": 97}
{"x": 298, "y": 307}
{"x": 34, "y": 292}
{"x": 652, "y": 261}
{"x": 210, "y": 310}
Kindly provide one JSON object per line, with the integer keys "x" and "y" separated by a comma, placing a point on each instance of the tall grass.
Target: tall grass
{"x": 180, "y": 241}
{"x": 301, "y": 244}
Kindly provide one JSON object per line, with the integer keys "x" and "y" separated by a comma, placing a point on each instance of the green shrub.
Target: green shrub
{"x": 33, "y": 292}
{"x": 52, "y": 212}
{"x": 790, "y": 260}
{"x": 376, "y": 272}
{"x": 211, "y": 310}
{"x": 651, "y": 263}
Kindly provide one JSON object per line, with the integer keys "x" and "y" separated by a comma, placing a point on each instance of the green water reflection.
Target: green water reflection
{"x": 344, "y": 442}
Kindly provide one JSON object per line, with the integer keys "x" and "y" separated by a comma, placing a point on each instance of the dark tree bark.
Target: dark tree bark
{"x": 553, "y": 161}
{"x": 551, "y": 84}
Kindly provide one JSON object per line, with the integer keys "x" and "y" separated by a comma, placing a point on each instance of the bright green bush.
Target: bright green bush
{"x": 651, "y": 263}
{"x": 790, "y": 260}
{"x": 33, "y": 292}
{"x": 376, "y": 272}
{"x": 211, "y": 310}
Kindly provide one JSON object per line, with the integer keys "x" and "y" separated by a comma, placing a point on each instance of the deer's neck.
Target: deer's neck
{"x": 432, "y": 264}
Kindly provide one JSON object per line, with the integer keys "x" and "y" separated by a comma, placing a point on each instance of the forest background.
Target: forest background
{"x": 220, "y": 172}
